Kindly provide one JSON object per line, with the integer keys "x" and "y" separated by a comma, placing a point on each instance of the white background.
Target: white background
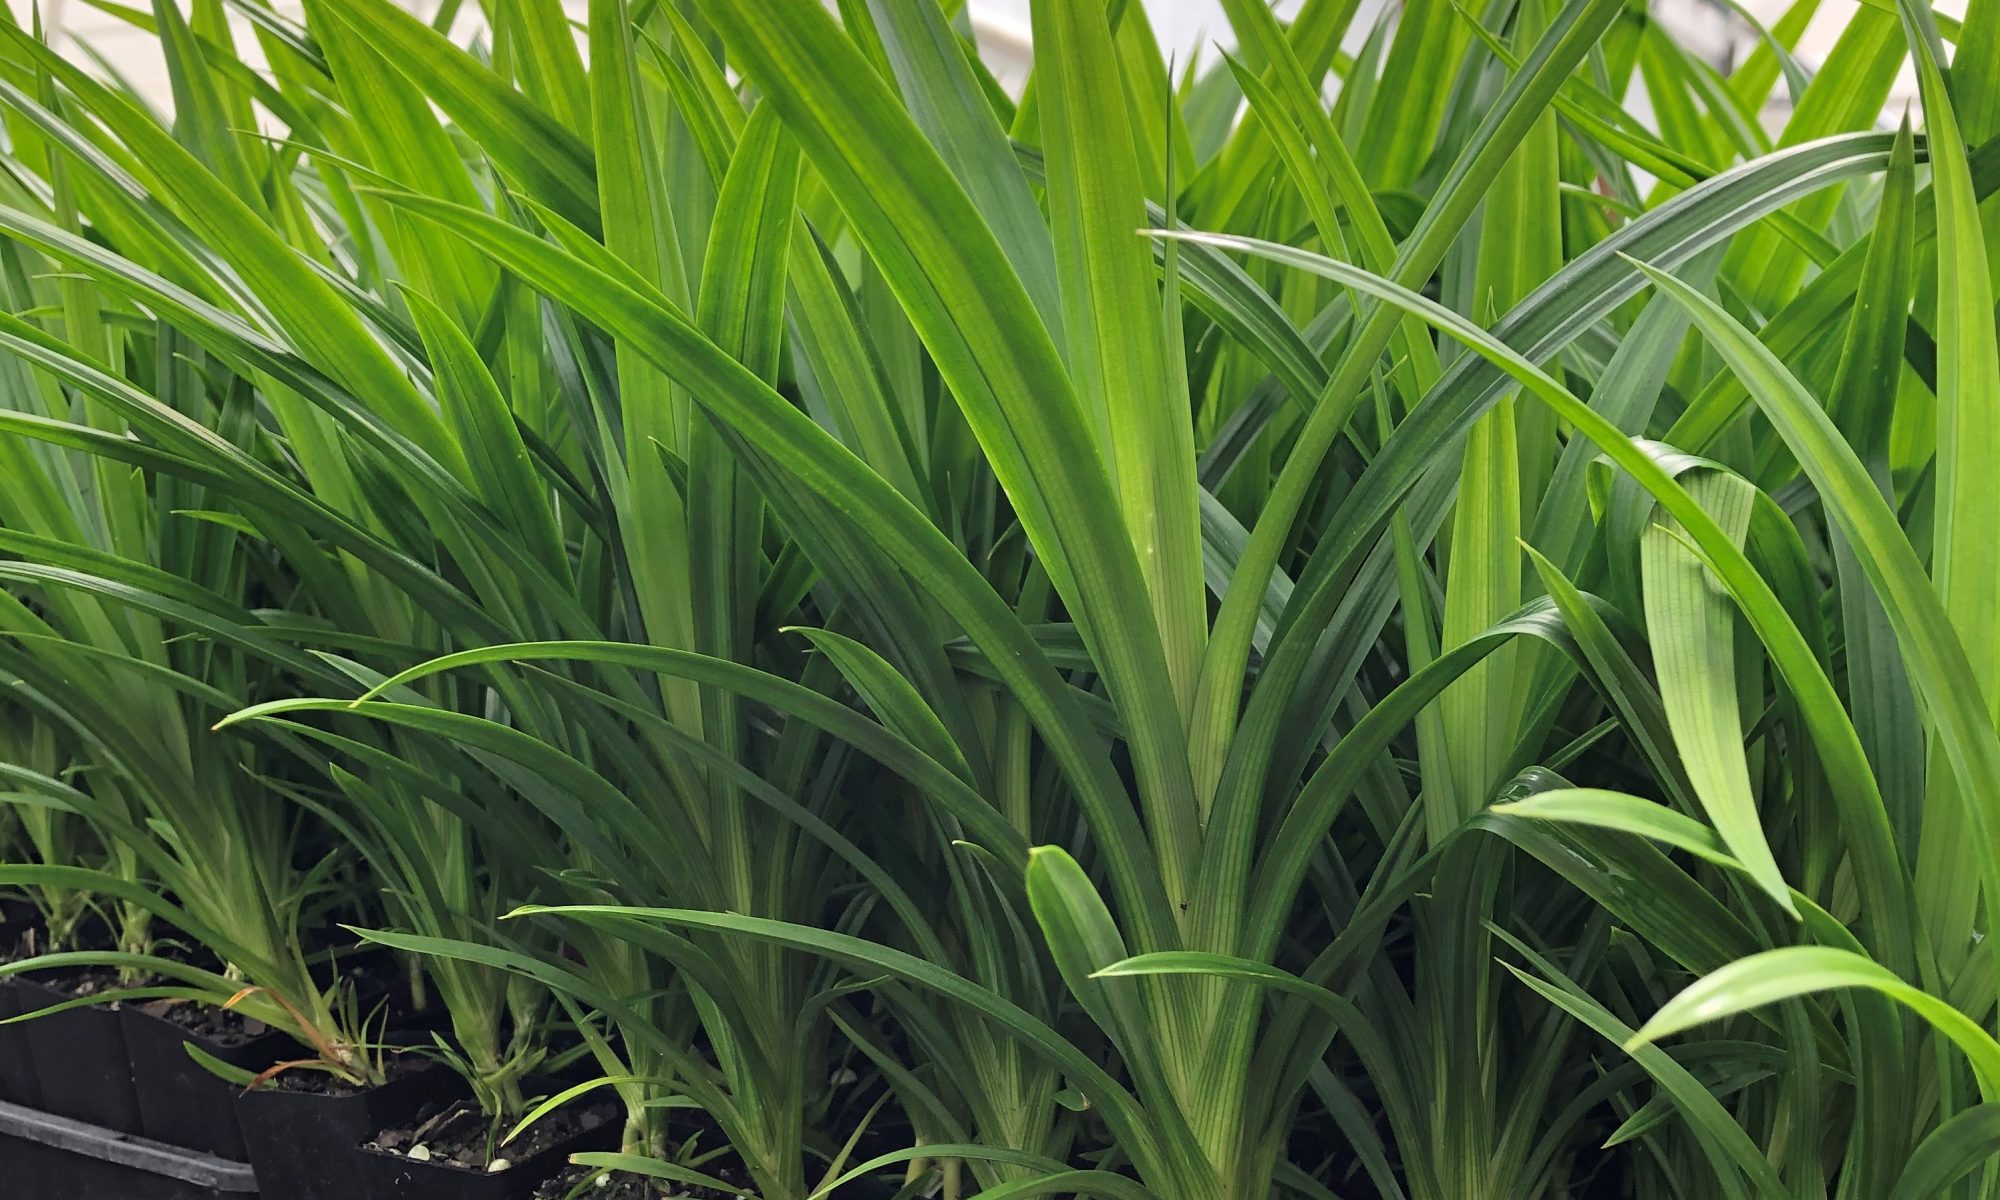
{"x": 1183, "y": 26}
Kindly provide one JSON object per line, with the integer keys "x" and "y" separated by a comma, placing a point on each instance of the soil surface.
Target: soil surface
{"x": 456, "y": 1133}
{"x": 216, "y": 1026}
{"x": 319, "y": 1083}
{"x": 621, "y": 1186}
{"x": 78, "y": 982}
{"x": 28, "y": 938}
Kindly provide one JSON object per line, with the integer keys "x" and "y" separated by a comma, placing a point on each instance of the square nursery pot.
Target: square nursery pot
{"x": 54, "y": 1158}
{"x": 392, "y": 1176}
{"x": 80, "y": 1060}
{"x": 17, "y": 1066}
{"x": 307, "y": 1145}
{"x": 181, "y": 1102}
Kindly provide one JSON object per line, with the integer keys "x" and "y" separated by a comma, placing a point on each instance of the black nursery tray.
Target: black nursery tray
{"x": 56, "y": 1158}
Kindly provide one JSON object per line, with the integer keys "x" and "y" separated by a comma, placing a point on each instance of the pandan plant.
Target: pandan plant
{"x": 1348, "y": 617}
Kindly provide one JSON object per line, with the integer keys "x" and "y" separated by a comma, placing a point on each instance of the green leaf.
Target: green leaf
{"x": 530, "y": 146}
{"x": 1803, "y": 970}
{"x": 1964, "y": 554}
{"x": 1627, "y": 814}
{"x": 499, "y": 466}
{"x": 1693, "y": 628}
{"x": 1939, "y": 664}
{"x": 1729, "y": 1151}
{"x": 1960, "y": 1145}
{"x": 1109, "y": 307}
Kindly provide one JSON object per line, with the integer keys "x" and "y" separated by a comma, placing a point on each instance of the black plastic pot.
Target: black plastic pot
{"x": 181, "y": 1102}
{"x": 54, "y": 1158}
{"x": 391, "y": 1176}
{"x": 80, "y": 1060}
{"x": 307, "y": 1145}
{"x": 17, "y": 1065}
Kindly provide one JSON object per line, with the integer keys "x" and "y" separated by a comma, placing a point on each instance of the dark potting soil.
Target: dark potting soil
{"x": 381, "y": 986}
{"x": 622, "y": 1186}
{"x": 217, "y": 1026}
{"x": 319, "y": 1083}
{"x": 79, "y": 982}
{"x": 456, "y": 1133}
{"x": 32, "y": 940}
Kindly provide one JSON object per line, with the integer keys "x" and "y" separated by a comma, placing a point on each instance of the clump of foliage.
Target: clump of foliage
{"x": 1333, "y": 622}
